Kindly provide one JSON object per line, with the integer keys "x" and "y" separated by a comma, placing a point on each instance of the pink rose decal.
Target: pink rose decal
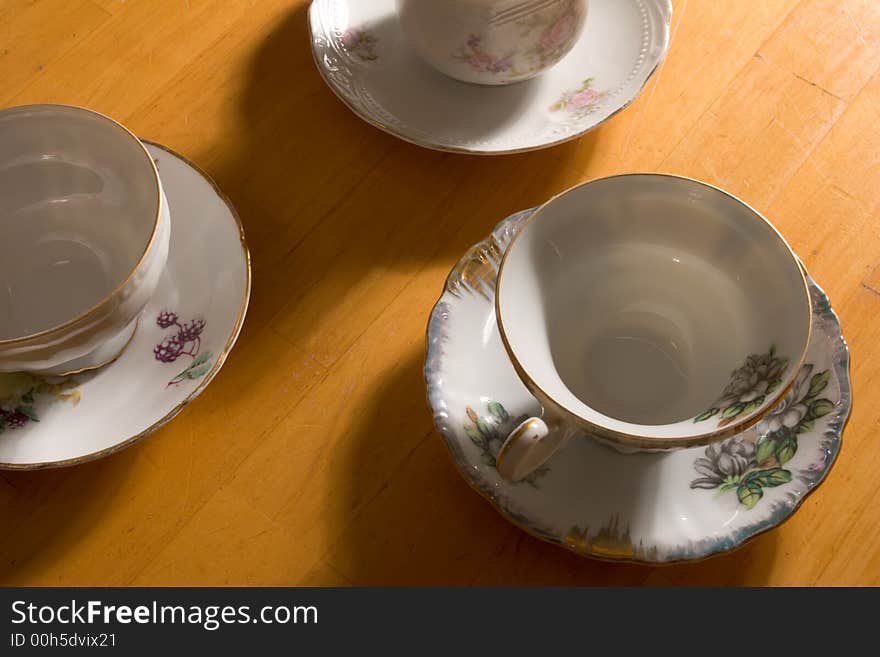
{"x": 360, "y": 43}
{"x": 559, "y": 35}
{"x": 481, "y": 61}
{"x": 579, "y": 103}
{"x": 584, "y": 99}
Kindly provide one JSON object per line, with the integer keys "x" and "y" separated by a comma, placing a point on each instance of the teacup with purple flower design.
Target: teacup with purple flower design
{"x": 84, "y": 235}
{"x": 492, "y": 42}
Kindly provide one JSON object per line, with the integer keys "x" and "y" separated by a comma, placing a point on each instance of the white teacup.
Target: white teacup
{"x": 84, "y": 231}
{"x": 651, "y": 311}
{"x": 492, "y": 42}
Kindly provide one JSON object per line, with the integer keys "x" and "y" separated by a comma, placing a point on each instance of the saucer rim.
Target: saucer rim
{"x": 841, "y": 363}
{"x": 212, "y": 373}
{"x": 667, "y": 10}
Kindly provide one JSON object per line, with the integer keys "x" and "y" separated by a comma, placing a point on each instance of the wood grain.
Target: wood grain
{"x": 312, "y": 458}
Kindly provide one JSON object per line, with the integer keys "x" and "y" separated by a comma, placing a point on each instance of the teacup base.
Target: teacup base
{"x": 100, "y": 357}
{"x": 483, "y": 83}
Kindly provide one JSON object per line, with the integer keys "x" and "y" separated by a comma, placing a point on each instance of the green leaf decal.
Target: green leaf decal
{"x": 728, "y": 485}
{"x": 487, "y": 431}
{"x": 818, "y": 383}
{"x": 705, "y": 415}
{"x": 750, "y": 477}
{"x": 197, "y": 369}
{"x": 474, "y": 435}
{"x": 820, "y": 407}
{"x": 754, "y": 405}
{"x": 198, "y": 372}
{"x": 749, "y": 494}
{"x": 30, "y": 411}
{"x": 805, "y": 425}
{"x": 773, "y": 385}
{"x": 498, "y": 411}
{"x": 483, "y": 430}
{"x": 766, "y": 449}
{"x": 786, "y": 449}
{"x": 734, "y": 410}
{"x": 773, "y": 477}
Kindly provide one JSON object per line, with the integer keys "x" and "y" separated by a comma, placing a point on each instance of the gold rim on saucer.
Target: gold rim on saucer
{"x": 221, "y": 358}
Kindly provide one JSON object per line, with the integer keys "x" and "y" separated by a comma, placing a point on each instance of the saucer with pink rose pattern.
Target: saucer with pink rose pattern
{"x": 364, "y": 58}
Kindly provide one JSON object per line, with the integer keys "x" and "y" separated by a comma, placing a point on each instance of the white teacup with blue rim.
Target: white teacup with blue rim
{"x": 650, "y": 311}
{"x": 84, "y": 233}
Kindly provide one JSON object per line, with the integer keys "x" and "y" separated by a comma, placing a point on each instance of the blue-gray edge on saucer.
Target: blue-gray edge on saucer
{"x": 475, "y": 274}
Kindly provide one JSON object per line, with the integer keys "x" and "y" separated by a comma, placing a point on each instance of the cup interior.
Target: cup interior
{"x": 79, "y": 204}
{"x": 641, "y": 302}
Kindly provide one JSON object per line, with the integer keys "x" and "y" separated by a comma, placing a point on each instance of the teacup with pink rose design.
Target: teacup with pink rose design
{"x": 492, "y": 42}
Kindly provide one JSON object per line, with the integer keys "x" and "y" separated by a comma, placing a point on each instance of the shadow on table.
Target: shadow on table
{"x": 324, "y": 195}
{"x": 321, "y": 194}
{"x": 412, "y": 520}
{"x": 44, "y": 513}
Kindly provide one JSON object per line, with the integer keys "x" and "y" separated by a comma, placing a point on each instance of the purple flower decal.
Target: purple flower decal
{"x": 191, "y": 331}
{"x": 16, "y": 419}
{"x": 166, "y": 319}
{"x": 170, "y": 349}
{"x": 187, "y": 341}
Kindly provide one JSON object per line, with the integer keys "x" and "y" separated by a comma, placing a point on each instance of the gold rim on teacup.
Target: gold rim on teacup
{"x": 76, "y": 332}
{"x": 219, "y": 362}
{"x": 522, "y": 451}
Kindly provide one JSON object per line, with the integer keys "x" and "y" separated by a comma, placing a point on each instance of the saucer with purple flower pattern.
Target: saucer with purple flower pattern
{"x": 364, "y": 58}
{"x": 183, "y": 338}
{"x": 644, "y": 507}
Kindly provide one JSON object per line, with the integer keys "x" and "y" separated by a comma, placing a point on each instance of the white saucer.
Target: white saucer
{"x": 183, "y": 337}
{"x": 648, "y": 508}
{"x": 364, "y": 58}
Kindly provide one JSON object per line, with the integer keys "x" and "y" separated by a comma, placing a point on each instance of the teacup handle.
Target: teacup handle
{"x": 529, "y": 446}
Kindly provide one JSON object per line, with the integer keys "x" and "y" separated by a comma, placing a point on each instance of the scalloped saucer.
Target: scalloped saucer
{"x": 645, "y": 507}
{"x": 363, "y": 56}
{"x": 183, "y": 338}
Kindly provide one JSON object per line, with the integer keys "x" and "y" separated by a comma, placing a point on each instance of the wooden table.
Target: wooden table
{"x": 312, "y": 459}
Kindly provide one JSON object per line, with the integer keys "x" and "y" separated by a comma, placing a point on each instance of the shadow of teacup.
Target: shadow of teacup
{"x": 46, "y": 513}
